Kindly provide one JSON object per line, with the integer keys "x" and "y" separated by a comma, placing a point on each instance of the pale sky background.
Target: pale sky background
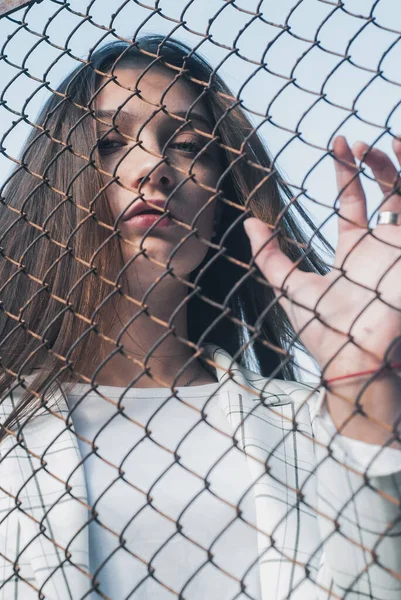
{"x": 306, "y": 58}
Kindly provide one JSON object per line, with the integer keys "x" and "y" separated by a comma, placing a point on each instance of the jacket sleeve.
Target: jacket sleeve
{"x": 17, "y": 579}
{"x": 359, "y": 516}
{"x": 8, "y": 530}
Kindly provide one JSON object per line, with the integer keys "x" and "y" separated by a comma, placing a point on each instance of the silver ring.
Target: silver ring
{"x": 386, "y": 217}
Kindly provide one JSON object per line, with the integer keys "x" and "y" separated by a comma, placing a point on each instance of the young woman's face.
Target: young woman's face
{"x": 157, "y": 159}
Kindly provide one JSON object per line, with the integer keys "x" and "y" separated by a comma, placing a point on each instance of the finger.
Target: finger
{"x": 352, "y": 199}
{"x": 278, "y": 269}
{"x": 397, "y": 148}
{"x": 384, "y": 172}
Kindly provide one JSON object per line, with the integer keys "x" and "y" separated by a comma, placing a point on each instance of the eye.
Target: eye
{"x": 188, "y": 146}
{"x": 107, "y": 146}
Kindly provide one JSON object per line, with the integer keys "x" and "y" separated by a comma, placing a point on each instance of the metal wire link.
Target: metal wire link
{"x": 240, "y": 464}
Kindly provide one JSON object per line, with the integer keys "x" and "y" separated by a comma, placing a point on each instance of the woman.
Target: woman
{"x": 141, "y": 457}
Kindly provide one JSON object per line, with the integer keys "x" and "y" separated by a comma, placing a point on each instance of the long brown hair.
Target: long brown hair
{"x": 61, "y": 252}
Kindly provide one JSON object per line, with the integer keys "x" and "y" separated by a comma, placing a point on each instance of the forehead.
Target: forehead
{"x": 142, "y": 92}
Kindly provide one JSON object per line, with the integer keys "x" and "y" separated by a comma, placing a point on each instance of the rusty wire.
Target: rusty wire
{"x": 263, "y": 341}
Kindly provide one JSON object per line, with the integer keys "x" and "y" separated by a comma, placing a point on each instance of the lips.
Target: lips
{"x": 140, "y": 207}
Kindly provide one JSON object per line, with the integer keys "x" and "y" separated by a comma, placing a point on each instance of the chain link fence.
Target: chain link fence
{"x": 179, "y": 420}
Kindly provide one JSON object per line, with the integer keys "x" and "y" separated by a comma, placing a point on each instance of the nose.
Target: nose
{"x": 146, "y": 169}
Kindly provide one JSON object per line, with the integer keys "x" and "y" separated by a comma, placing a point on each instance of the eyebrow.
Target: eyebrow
{"x": 126, "y": 117}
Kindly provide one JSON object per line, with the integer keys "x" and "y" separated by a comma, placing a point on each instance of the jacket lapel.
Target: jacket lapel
{"x": 54, "y": 512}
{"x": 275, "y": 432}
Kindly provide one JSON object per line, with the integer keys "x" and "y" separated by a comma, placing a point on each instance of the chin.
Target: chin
{"x": 156, "y": 261}
{"x": 183, "y": 259}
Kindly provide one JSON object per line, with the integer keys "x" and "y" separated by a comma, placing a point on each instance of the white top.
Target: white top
{"x": 148, "y": 525}
{"x": 339, "y": 536}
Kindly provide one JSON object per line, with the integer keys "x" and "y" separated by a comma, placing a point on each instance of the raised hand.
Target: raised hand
{"x": 349, "y": 319}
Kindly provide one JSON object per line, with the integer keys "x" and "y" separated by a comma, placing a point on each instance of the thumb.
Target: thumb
{"x": 270, "y": 259}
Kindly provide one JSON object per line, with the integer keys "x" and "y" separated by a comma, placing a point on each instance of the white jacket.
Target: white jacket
{"x": 328, "y": 507}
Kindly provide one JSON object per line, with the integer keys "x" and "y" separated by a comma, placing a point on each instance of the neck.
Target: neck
{"x": 155, "y": 352}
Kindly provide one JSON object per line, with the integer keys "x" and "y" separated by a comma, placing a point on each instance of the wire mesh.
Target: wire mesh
{"x": 193, "y": 407}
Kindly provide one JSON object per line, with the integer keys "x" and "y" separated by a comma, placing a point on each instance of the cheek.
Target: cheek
{"x": 199, "y": 201}
{"x": 202, "y": 186}
{"x": 117, "y": 197}
{"x": 195, "y": 205}
{"x": 208, "y": 172}
{"x": 207, "y": 197}
{"x": 112, "y": 199}
{"x": 205, "y": 221}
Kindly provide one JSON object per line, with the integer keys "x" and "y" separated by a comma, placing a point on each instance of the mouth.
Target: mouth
{"x": 149, "y": 206}
{"x": 145, "y": 213}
